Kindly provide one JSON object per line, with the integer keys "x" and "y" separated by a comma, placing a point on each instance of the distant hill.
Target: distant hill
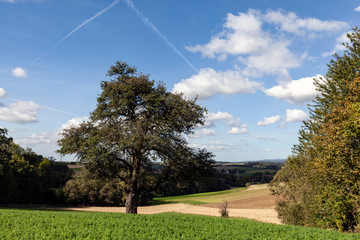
{"x": 275, "y": 160}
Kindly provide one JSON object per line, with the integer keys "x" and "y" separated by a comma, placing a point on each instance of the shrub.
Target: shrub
{"x": 224, "y": 212}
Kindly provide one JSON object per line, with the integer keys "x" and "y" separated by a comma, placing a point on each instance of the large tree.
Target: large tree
{"x": 320, "y": 184}
{"x": 135, "y": 124}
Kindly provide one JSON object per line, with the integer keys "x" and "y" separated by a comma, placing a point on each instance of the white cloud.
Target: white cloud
{"x": 339, "y": 45}
{"x": 20, "y": 112}
{"x": 74, "y": 122}
{"x": 297, "y": 91}
{"x": 19, "y": 72}
{"x": 357, "y": 9}
{"x": 3, "y": 93}
{"x": 242, "y": 35}
{"x": 238, "y": 130}
{"x": 268, "y": 150}
{"x": 47, "y": 140}
{"x": 209, "y": 82}
{"x": 269, "y": 120}
{"x": 229, "y": 119}
{"x": 203, "y": 132}
{"x": 235, "y": 124}
{"x": 43, "y": 138}
{"x": 216, "y": 146}
{"x": 290, "y": 22}
{"x": 275, "y": 59}
{"x": 295, "y": 115}
{"x": 246, "y": 37}
{"x": 266, "y": 138}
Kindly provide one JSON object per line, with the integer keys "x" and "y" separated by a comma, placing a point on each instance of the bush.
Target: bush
{"x": 224, "y": 212}
{"x": 86, "y": 190}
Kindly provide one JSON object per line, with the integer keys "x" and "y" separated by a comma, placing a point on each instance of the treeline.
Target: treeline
{"x": 85, "y": 189}
{"x": 319, "y": 185}
{"x": 29, "y": 178}
{"x": 26, "y": 177}
{"x": 224, "y": 178}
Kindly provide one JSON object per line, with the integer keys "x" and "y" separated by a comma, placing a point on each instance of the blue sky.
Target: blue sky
{"x": 251, "y": 64}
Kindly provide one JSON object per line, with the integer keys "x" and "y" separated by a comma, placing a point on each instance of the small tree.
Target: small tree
{"x": 224, "y": 212}
{"x": 135, "y": 124}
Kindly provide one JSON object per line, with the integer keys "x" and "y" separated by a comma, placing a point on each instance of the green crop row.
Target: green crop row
{"x": 41, "y": 224}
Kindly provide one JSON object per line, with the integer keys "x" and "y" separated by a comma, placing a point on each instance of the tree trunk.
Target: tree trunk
{"x": 131, "y": 203}
{"x": 132, "y": 192}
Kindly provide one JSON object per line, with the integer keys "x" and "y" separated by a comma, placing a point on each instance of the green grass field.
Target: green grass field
{"x": 40, "y": 224}
{"x": 215, "y": 197}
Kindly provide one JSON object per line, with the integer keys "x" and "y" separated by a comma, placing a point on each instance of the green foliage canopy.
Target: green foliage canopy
{"x": 320, "y": 184}
{"x": 26, "y": 177}
{"x": 135, "y": 124}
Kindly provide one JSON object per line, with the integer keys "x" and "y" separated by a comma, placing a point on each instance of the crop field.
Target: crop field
{"x": 217, "y": 197}
{"x": 40, "y": 224}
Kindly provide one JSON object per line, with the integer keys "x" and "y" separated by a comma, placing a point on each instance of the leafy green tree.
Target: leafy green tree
{"x": 26, "y": 177}
{"x": 85, "y": 189}
{"x": 135, "y": 124}
{"x": 320, "y": 184}
{"x": 5, "y": 157}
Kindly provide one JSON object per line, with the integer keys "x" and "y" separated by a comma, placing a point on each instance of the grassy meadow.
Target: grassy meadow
{"x": 41, "y": 224}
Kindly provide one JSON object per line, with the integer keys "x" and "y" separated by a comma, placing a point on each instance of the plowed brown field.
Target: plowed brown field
{"x": 260, "y": 208}
{"x": 262, "y": 202}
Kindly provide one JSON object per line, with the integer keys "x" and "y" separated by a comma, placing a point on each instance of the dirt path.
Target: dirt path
{"x": 262, "y": 215}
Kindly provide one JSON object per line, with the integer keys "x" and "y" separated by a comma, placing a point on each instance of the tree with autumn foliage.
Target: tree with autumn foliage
{"x": 135, "y": 124}
{"x": 319, "y": 185}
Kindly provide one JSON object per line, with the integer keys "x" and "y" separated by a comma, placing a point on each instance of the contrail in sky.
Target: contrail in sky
{"x": 145, "y": 20}
{"x": 155, "y": 30}
{"x": 50, "y": 108}
{"x": 73, "y": 31}
{"x": 60, "y": 111}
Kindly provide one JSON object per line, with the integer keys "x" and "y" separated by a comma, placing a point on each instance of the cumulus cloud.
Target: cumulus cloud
{"x": 43, "y": 138}
{"x": 238, "y": 130}
{"x": 20, "y": 112}
{"x": 237, "y": 127}
{"x": 357, "y": 9}
{"x": 209, "y": 82}
{"x": 47, "y": 139}
{"x": 74, "y": 122}
{"x": 297, "y": 91}
{"x": 226, "y": 117}
{"x": 290, "y": 22}
{"x": 269, "y": 120}
{"x": 295, "y": 115}
{"x": 245, "y": 37}
{"x": 276, "y": 59}
{"x": 203, "y": 132}
{"x": 265, "y": 138}
{"x": 3, "y": 93}
{"x": 242, "y": 34}
{"x": 217, "y": 146}
{"x": 19, "y": 72}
